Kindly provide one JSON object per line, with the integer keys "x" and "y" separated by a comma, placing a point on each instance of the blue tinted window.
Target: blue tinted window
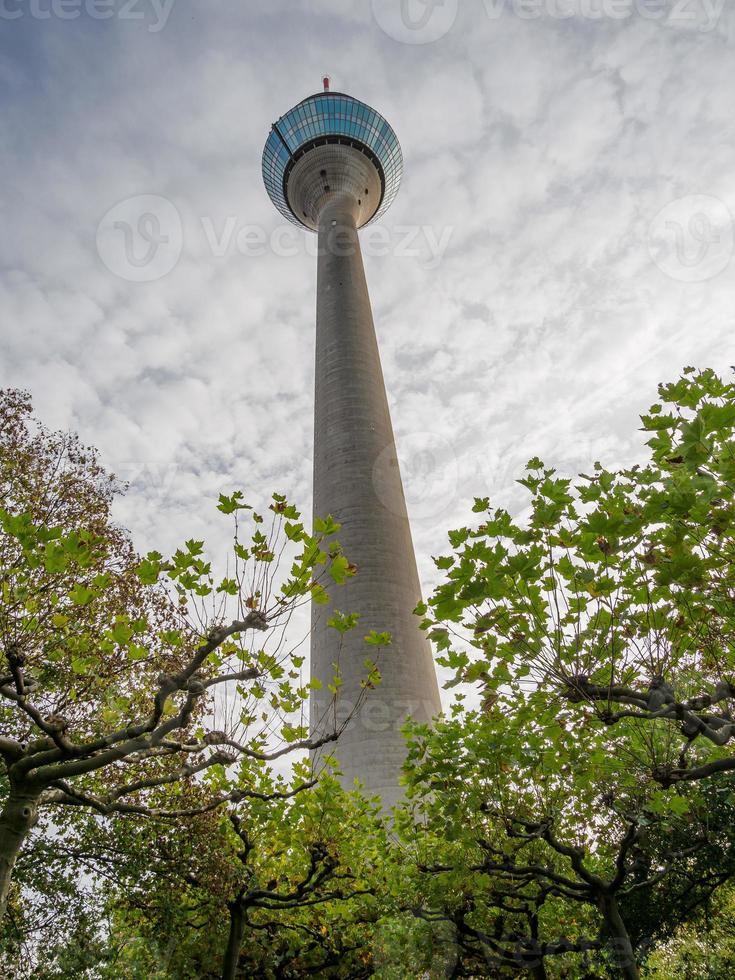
{"x": 319, "y": 116}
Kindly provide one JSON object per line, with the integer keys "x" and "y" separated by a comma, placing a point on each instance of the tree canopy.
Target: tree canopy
{"x": 115, "y": 664}
{"x": 598, "y": 625}
{"x": 571, "y": 815}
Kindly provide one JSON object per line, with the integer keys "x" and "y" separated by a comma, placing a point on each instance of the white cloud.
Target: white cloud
{"x": 546, "y": 147}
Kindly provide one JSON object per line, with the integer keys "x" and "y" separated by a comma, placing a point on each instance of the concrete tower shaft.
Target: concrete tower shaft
{"x": 357, "y": 480}
{"x": 332, "y": 164}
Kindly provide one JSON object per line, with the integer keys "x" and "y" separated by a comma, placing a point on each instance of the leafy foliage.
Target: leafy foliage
{"x": 572, "y": 819}
{"x": 111, "y": 699}
{"x": 599, "y": 628}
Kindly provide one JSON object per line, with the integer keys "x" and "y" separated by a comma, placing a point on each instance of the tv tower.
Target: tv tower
{"x": 331, "y": 165}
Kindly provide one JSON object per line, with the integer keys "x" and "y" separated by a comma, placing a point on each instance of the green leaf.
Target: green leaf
{"x": 343, "y": 622}
{"x": 340, "y": 569}
{"x": 326, "y": 526}
{"x": 80, "y": 595}
{"x": 376, "y": 639}
{"x": 148, "y": 570}
{"x": 121, "y": 633}
{"x": 228, "y": 505}
{"x": 294, "y": 532}
{"x": 319, "y": 594}
{"x": 136, "y": 652}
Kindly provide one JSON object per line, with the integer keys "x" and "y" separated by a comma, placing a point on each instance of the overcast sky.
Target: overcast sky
{"x": 562, "y": 240}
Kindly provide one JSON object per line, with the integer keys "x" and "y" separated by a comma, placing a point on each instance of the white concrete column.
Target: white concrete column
{"x": 357, "y": 480}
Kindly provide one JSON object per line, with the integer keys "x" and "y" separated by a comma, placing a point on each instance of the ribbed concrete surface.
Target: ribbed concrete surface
{"x": 357, "y": 481}
{"x": 328, "y": 170}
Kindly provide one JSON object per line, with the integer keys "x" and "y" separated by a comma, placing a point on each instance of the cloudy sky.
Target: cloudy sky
{"x": 562, "y": 240}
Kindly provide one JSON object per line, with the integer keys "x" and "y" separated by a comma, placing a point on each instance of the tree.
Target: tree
{"x": 288, "y": 891}
{"x": 618, "y": 593}
{"x": 577, "y": 821}
{"x": 115, "y": 666}
{"x": 52, "y": 905}
{"x": 703, "y": 948}
{"x": 530, "y": 854}
{"x": 600, "y": 630}
{"x": 311, "y": 862}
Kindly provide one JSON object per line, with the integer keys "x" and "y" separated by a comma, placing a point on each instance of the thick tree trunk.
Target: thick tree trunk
{"x": 234, "y": 941}
{"x": 620, "y": 940}
{"x": 538, "y": 971}
{"x": 18, "y": 816}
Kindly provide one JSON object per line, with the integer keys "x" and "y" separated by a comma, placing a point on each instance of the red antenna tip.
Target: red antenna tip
{"x": 327, "y": 81}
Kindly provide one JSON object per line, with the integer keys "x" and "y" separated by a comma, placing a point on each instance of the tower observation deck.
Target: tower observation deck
{"x": 332, "y": 165}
